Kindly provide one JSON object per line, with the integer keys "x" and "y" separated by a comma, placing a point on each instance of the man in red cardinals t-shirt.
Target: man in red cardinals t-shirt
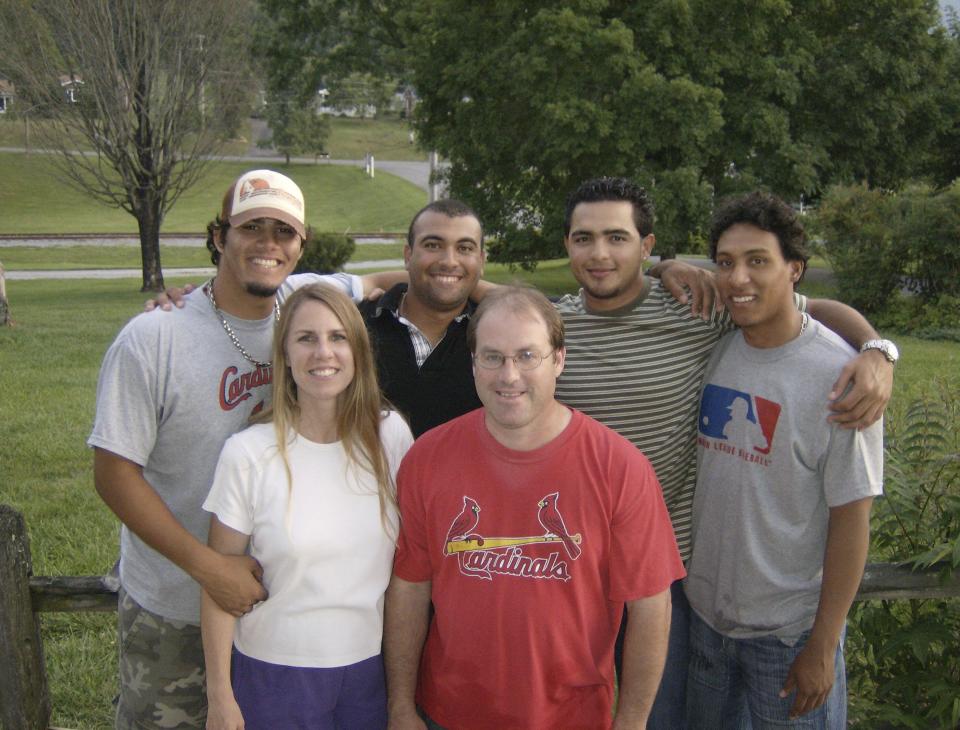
{"x": 529, "y": 526}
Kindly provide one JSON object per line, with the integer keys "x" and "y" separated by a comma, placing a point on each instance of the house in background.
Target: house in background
{"x": 7, "y": 94}
{"x": 71, "y": 87}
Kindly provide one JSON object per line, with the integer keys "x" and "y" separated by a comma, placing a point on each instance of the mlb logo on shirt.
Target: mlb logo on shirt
{"x": 736, "y": 416}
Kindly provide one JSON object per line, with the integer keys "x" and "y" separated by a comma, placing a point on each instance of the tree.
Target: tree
{"x": 142, "y": 105}
{"x": 367, "y": 93}
{"x": 295, "y": 129}
{"x": 307, "y": 45}
{"x": 944, "y": 162}
{"x": 693, "y": 98}
{"x": 529, "y": 99}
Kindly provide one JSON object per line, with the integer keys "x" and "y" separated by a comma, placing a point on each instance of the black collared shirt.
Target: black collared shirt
{"x": 438, "y": 391}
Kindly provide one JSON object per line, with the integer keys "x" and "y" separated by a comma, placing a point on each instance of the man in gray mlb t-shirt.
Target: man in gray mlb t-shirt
{"x": 781, "y": 513}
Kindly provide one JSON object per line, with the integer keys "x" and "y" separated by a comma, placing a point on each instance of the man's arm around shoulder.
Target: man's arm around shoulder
{"x": 861, "y": 404}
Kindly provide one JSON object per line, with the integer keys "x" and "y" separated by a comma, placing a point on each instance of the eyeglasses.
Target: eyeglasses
{"x": 526, "y": 360}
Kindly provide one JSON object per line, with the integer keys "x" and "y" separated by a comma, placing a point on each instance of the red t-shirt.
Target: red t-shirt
{"x": 531, "y": 555}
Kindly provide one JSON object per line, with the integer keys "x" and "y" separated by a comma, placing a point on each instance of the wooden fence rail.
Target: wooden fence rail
{"x": 24, "y": 698}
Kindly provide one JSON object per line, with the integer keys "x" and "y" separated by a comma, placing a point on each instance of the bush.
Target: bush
{"x": 325, "y": 253}
{"x": 934, "y": 320}
{"x": 882, "y": 244}
{"x": 903, "y": 657}
{"x": 931, "y": 239}
{"x": 857, "y": 225}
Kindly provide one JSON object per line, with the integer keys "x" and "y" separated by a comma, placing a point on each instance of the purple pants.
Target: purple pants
{"x": 340, "y": 698}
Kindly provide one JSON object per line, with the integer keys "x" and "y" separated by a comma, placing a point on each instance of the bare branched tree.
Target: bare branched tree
{"x": 138, "y": 71}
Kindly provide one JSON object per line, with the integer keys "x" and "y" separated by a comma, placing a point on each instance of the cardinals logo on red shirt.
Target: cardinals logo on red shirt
{"x": 481, "y": 557}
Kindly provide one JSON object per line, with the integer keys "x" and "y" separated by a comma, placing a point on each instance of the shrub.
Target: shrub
{"x": 326, "y": 253}
{"x": 933, "y": 320}
{"x": 904, "y": 656}
{"x": 882, "y": 244}
{"x": 857, "y": 225}
{"x": 931, "y": 241}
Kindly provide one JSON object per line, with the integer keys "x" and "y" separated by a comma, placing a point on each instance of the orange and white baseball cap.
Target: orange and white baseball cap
{"x": 267, "y": 194}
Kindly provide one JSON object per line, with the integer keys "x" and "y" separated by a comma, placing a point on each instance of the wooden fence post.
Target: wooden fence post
{"x": 24, "y": 700}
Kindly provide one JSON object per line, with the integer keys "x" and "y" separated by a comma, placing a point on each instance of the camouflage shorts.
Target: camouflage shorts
{"x": 162, "y": 680}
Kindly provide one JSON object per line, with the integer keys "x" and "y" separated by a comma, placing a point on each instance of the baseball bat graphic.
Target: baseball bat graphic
{"x": 487, "y": 543}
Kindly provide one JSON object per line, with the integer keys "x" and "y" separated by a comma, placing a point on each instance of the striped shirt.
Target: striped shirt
{"x": 638, "y": 370}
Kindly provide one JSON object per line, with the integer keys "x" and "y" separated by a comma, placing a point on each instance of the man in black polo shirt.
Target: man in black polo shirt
{"x": 419, "y": 330}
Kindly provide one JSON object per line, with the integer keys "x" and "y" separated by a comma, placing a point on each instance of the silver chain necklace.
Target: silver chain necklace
{"x": 208, "y": 288}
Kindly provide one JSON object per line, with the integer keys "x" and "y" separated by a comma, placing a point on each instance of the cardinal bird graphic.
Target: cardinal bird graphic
{"x": 552, "y": 522}
{"x": 465, "y": 522}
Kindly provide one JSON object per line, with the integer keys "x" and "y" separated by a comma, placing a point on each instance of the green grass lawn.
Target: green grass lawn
{"x": 386, "y": 139}
{"x": 50, "y": 362}
{"x": 350, "y": 139}
{"x": 13, "y": 133}
{"x": 34, "y": 200}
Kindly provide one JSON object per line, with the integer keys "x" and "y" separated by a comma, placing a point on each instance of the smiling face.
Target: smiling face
{"x": 318, "y": 354}
{"x": 756, "y": 283}
{"x": 257, "y": 256}
{"x": 519, "y": 404}
{"x": 607, "y": 253}
{"x": 445, "y": 261}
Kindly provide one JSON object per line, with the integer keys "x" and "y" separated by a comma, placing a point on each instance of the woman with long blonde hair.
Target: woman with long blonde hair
{"x": 309, "y": 492}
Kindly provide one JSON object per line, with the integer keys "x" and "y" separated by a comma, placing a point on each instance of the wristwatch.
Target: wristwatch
{"x": 886, "y": 347}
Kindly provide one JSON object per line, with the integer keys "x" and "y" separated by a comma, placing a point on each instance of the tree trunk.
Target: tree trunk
{"x": 148, "y": 220}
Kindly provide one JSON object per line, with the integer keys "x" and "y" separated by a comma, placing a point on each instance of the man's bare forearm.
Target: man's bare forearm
{"x": 232, "y": 580}
{"x": 848, "y": 540}
{"x": 406, "y": 616}
{"x": 121, "y": 485}
{"x": 644, "y": 654}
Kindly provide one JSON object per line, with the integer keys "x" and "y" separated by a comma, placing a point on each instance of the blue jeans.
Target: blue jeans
{"x": 735, "y": 683}
{"x": 669, "y": 707}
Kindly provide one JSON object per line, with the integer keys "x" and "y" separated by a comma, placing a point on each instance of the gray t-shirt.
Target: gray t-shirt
{"x": 770, "y": 468}
{"x": 172, "y": 389}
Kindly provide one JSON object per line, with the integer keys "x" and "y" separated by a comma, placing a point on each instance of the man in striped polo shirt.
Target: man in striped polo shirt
{"x": 636, "y": 356}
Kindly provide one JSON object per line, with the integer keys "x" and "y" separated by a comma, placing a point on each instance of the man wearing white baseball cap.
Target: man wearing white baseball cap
{"x": 173, "y": 387}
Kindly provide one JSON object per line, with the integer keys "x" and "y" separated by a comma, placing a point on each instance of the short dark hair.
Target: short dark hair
{"x": 613, "y": 189}
{"x": 768, "y": 213}
{"x": 449, "y": 207}
{"x": 518, "y": 298}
